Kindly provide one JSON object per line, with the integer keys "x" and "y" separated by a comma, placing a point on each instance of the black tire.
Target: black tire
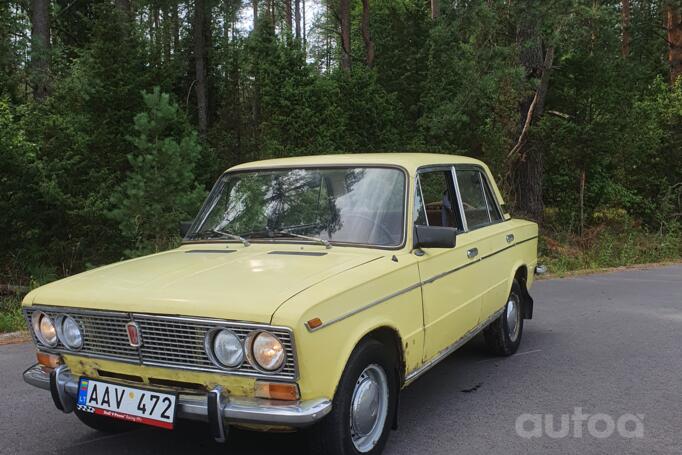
{"x": 103, "y": 423}
{"x": 497, "y": 334}
{"x": 332, "y": 435}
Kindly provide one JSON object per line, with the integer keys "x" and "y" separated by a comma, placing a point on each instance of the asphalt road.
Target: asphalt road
{"x": 608, "y": 344}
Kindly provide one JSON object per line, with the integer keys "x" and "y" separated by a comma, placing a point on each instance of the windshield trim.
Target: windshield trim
{"x": 402, "y": 244}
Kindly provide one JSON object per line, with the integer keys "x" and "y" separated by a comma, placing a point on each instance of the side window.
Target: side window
{"x": 473, "y": 198}
{"x": 435, "y": 201}
{"x": 495, "y": 214}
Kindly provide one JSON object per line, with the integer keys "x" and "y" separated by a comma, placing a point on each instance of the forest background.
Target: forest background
{"x": 117, "y": 116}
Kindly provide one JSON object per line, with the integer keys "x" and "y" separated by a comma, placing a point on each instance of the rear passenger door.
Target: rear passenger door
{"x": 484, "y": 219}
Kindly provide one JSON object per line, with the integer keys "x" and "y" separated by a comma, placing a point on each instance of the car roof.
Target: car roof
{"x": 410, "y": 161}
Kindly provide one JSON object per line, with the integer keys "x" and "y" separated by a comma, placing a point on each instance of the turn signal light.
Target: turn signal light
{"x": 314, "y": 323}
{"x": 49, "y": 360}
{"x": 277, "y": 391}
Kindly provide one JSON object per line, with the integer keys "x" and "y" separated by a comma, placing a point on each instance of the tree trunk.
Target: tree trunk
{"x": 366, "y": 34}
{"x": 435, "y": 9}
{"x": 40, "y": 48}
{"x": 344, "y": 22}
{"x": 297, "y": 18}
{"x": 674, "y": 26}
{"x": 156, "y": 36}
{"x": 305, "y": 30}
{"x": 270, "y": 10}
{"x": 625, "y": 11}
{"x": 167, "y": 34}
{"x": 200, "y": 64}
{"x": 175, "y": 25}
{"x": 256, "y": 82}
{"x": 527, "y": 163}
{"x": 288, "y": 17}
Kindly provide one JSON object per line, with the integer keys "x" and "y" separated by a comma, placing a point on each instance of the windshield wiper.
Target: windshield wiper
{"x": 324, "y": 242}
{"x": 227, "y": 235}
{"x": 270, "y": 233}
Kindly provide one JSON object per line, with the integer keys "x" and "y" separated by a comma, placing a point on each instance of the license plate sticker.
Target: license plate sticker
{"x": 127, "y": 403}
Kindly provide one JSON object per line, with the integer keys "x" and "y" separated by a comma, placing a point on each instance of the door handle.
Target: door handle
{"x": 472, "y": 253}
{"x": 510, "y": 238}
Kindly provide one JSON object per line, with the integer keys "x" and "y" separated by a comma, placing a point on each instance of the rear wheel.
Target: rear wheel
{"x": 364, "y": 404}
{"x": 503, "y": 336}
{"x": 103, "y": 423}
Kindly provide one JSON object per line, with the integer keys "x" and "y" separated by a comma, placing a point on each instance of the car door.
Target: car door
{"x": 484, "y": 218}
{"x": 451, "y": 283}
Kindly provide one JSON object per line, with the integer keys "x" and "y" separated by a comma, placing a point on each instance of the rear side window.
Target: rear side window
{"x": 479, "y": 206}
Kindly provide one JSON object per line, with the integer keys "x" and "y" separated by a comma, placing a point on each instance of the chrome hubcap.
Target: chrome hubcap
{"x": 513, "y": 317}
{"x": 369, "y": 408}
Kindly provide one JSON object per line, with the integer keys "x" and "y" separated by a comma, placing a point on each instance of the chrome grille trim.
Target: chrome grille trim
{"x": 167, "y": 341}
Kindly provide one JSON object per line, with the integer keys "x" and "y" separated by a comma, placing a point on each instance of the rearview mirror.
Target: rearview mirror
{"x": 184, "y": 228}
{"x": 434, "y": 237}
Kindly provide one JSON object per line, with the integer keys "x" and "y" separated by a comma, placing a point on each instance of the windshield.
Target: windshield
{"x": 356, "y": 205}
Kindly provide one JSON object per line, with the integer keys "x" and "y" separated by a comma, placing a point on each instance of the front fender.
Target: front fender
{"x": 378, "y": 294}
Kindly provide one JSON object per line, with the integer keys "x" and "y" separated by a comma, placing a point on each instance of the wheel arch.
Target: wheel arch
{"x": 521, "y": 277}
{"x": 389, "y": 337}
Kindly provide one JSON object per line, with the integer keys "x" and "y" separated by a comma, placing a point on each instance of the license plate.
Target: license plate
{"x": 127, "y": 403}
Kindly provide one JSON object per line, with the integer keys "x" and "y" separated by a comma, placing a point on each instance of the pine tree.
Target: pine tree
{"x": 160, "y": 190}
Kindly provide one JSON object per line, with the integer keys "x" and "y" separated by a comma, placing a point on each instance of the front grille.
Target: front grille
{"x": 167, "y": 341}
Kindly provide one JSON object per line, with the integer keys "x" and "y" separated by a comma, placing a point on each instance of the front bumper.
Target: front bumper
{"x": 295, "y": 414}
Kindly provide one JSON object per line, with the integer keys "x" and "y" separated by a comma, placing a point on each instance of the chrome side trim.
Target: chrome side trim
{"x": 450, "y": 349}
{"x": 414, "y": 286}
{"x": 297, "y": 414}
{"x": 366, "y": 307}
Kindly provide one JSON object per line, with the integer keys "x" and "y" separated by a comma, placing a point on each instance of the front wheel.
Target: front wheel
{"x": 503, "y": 335}
{"x": 364, "y": 404}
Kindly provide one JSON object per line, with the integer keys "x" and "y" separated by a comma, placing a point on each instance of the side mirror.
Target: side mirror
{"x": 434, "y": 237}
{"x": 184, "y": 228}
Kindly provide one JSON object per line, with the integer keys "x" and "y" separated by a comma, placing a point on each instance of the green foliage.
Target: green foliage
{"x": 98, "y": 161}
{"x": 160, "y": 190}
{"x": 11, "y": 318}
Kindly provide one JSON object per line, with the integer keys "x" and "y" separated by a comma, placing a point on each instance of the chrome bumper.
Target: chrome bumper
{"x": 259, "y": 411}
{"x": 540, "y": 269}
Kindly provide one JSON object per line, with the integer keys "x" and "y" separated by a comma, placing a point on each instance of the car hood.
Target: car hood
{"x": 236, "y": 283}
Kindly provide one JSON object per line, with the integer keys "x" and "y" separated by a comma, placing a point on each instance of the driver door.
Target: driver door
{"x": 452, "y": 287}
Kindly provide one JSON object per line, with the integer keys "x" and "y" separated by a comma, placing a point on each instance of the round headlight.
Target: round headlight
{"x": 70, "y": 333}
{"x": 227, "y": 349}
{"x": 44, "y": 329}
{"x": 268, "y": 351}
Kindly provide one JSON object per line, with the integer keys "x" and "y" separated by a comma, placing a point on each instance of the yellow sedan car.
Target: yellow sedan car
{"x": 306, "y": 294}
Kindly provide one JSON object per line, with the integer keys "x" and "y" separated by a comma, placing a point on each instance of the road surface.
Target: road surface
{"x": 603, "y": 353}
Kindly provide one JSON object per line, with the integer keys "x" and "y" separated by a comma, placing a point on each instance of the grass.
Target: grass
{"x": 11, "y": 319}
{"x": 602, "y": 248}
